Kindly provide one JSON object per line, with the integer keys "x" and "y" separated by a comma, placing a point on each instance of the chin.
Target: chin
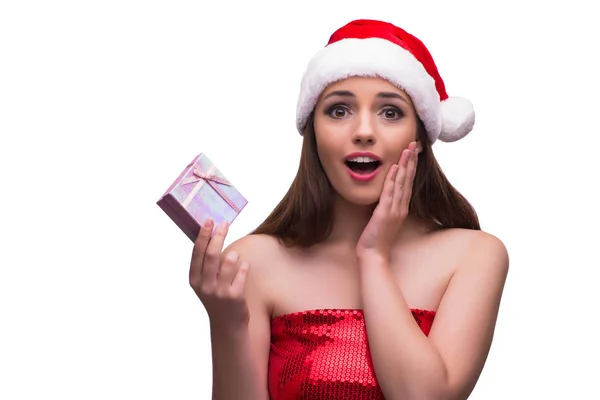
{"x": 360, "y": 196}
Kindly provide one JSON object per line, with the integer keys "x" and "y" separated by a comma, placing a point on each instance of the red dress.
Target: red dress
{"x": 324, "y": 354}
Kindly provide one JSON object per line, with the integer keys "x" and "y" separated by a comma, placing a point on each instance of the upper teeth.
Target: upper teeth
{"x": 362, "y": 159}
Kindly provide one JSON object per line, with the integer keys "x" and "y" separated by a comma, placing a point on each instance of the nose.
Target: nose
{"x": 365, "y": 130}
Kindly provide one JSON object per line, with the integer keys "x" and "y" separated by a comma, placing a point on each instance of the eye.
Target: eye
{"x": 337, "y": 111}
{"x": 392, "y": 113}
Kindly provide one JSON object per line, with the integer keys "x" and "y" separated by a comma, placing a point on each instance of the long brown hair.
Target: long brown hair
{"x": 305, "y": 214}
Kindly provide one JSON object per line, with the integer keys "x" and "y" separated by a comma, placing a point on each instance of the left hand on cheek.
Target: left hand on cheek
{"x": 380, "y": 233}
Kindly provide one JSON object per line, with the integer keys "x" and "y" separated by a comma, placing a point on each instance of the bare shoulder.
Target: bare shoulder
{"x": 477, "y": 249}
{"x": 489, "y": 248}
{"x": 264, "y": 253}
{"x": 261, "y": 251}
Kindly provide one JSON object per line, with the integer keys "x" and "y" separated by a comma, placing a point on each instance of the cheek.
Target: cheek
{"x": 399, "y": 140}
{"x": 329, "y": 156}
{"x": 326, "y": 154}
{"x": 396, "y": 147}
{"x": 326, "y": 146}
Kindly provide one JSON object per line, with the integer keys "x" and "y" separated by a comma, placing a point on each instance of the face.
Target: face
{"x": 361, "y": 127}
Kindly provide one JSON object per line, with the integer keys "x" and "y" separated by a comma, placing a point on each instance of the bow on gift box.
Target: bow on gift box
{"x": 213, "y": 181}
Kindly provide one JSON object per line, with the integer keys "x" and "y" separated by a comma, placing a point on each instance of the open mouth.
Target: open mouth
{"x": 363, "y": 167}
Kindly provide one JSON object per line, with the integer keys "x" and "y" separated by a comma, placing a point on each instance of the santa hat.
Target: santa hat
{"x": 375, "y": 48}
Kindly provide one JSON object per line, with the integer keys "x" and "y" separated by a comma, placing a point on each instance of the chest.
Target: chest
{"x": 330, "y": 279}
{"x": 325, "y": 354}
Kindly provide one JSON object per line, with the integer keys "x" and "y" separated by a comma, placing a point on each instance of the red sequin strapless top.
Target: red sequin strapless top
{"x": 324, "y": 355}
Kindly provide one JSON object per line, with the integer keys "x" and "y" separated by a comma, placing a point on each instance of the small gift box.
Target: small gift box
{"x": 199, "y": 193}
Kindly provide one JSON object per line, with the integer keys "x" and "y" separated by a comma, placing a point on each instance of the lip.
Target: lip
{"x": 363, "y": 177}
{"x": 363, "y": 154}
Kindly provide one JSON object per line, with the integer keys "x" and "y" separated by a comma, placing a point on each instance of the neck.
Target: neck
{"x": 351, "y": 219}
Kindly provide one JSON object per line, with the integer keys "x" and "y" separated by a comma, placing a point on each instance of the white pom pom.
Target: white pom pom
{"x": 458, "y": 119}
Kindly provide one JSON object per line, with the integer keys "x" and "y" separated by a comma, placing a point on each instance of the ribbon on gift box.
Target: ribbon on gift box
{"x": 207, "y": 177}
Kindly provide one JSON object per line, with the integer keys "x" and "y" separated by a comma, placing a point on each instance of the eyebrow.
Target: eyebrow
{"x": 383, "y": 95}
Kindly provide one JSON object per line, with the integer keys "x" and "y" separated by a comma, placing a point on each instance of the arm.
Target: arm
{"x": 240, "y": 357}
{"x": 447, "y": 364}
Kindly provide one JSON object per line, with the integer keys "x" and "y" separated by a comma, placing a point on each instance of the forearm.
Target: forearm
{"x": 235, "y": 372}
{"x": 407, "y": 365}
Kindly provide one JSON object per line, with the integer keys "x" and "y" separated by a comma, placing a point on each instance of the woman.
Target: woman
{"x": 371, "y": 279}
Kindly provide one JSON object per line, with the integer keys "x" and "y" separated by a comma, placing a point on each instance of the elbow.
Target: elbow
{"x": 428, "y": 394}
{"x": 430, "y": 380}
{"x": 432, "y": 393}
{"x": 436, "y": 387}
{"x": 436, "y": 392}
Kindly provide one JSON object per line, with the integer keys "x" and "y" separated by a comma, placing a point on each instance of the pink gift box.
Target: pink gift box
{"x": 199, "y": 193}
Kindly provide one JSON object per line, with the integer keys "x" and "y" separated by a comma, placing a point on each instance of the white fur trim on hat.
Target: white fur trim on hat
{"x": 379, "y": 57}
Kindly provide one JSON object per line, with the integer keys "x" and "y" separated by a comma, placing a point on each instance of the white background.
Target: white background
{"x": 102, "y": 103}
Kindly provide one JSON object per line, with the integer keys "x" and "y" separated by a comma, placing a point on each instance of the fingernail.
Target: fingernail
{"x": 223, "y": 224}
{"x": 208, "y": 223}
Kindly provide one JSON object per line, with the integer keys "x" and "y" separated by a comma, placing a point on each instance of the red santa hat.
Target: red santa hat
{"x": 376, "y": 48}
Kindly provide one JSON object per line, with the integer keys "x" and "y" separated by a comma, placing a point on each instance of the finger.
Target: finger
{"x": 400, "y": 178}
{"x": 227, "y": 270}
{"x": 199, "y": 250}
{"x": 212, "y": 258}
{"x": 387, "y": 193}
{"x": 409, "y": 179}
{"x": 411, "y": 166}
{"x": 238, "y": 285}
